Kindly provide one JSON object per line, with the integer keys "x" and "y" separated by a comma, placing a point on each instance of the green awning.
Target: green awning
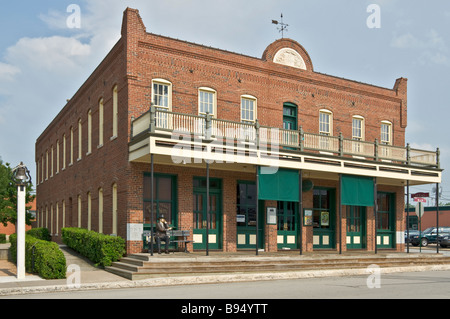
{"x": 357, "y": 190}
{"x": 280, "y": 186}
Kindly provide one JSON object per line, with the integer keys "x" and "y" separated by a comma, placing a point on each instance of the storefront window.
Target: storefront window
{"x": 383, "y": 213}
{"x": 163, "y": 198}
{"x": 321, "y": 209}
{"x": 246, "y": 204}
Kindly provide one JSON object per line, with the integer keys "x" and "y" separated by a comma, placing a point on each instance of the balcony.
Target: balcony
{"x": 189, "y": 138}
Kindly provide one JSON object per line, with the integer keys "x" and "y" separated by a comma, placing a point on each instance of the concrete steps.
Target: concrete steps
{"x": 141, "y": 266}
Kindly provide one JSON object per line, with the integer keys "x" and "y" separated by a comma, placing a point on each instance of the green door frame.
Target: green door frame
{"x": 199, "y": 210}
{"x": 246, "y": 214}
{"x": 386, "y": 211}
{"x": 287, "y": 225}
{"x": 159, "y": 203}
{"x": 356, "y": 227}
{"x": 324, "y": 220}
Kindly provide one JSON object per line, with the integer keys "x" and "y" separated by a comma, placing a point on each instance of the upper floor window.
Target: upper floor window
{"x": 115, "y": 110}
{"x": 248, "y": 109}
{"x": 80, "y": 139}
{"x": 89, "y": 132}
{"x": 206, "y": 101}
{"x": 100, "y": 122}
{"x": 162, "y": 94}
{"x": 325, "y": 122}
{"x": 358, "y": 128}
{"x": 386, "y": 132}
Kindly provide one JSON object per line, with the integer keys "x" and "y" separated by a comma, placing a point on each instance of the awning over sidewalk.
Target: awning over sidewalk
{"x": 282, "y": 185}
{"x": 357, "y": 190}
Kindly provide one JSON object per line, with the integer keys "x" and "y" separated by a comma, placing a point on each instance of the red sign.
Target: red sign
{"x": 420, "y": 195}
{"x": 420, "y": 199}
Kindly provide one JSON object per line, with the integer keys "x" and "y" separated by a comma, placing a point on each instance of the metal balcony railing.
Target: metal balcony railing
{"x": 207, "y": 128}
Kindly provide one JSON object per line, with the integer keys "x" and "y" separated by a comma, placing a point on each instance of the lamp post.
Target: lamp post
{"x": 21, "y": 176}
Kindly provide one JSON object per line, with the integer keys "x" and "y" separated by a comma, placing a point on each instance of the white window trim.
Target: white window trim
{"x": 389, "y": 124}
{"x": 208, "y": 90}
{"x": 328, "y": 112}
{"x": 255, "y": 109}
{"x": 169, "y": 84}
{"x": 363, "y": 125}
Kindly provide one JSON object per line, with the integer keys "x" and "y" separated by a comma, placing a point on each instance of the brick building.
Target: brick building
{"x": 299, "y": 155}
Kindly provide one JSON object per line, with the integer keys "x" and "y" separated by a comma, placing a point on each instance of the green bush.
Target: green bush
{"x": 40, "y": 233}
{"x": 99, "y": 248}
{"x": 49, "y": 260}
{"x": 2, "y": 238}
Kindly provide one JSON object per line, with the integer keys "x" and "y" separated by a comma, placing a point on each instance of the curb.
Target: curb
{"x": 209, "y": 279}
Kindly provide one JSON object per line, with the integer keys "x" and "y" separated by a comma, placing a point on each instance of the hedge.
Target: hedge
{"x": 101, "y": 249}
{"x": 49, "y": 260}
{"x": 40, "y": 233}
{"x": 2, "y": 238}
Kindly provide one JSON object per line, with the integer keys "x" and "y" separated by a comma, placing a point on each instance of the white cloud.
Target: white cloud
{"x": 8, "y": 72}
{"x": 431, "y": 48}
{"x": 51, "y": 53}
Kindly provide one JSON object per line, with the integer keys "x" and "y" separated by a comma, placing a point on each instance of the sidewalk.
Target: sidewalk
{"x": 92, "y": 278}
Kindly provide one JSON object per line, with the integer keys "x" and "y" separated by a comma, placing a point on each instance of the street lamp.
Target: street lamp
{"x": 21, "y": 176}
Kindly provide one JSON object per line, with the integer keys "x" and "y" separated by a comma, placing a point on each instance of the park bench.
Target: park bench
{"x": 176, "y": 236}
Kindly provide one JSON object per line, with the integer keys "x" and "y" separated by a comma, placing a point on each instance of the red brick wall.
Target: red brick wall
{"x": 139, "y": 57}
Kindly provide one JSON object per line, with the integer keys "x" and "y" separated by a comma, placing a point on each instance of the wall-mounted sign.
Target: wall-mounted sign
{"x": 271, "y": 215}
{"x": 240, "y": 218}
{"x": 307, "y": 217}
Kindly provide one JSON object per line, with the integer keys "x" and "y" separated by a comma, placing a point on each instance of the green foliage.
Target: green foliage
{"x": 8, "y": 197}
{"x": 2, "y": 238}
{"x": 40, "y": 233}
{"x": 99, "y": 248}
{"x": 49, "y": 260}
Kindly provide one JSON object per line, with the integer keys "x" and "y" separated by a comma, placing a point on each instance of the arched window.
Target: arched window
{"x": 207, "y": 101}
{"x": 100, "y": 122}
{"x": 115, "y": 111}
{"x": 325, "y": 122}
{"x": 80, "y": 140}
{"x": 248, "y": 109}
{"x": 100, "y": 210}
{"x": 89, "y": 128}
{"x": 89, "y": 211}
{"x": 114, "y": 208}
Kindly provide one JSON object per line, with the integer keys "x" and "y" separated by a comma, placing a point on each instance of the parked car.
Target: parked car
{"x": 428, "y": 236}
{"x": 411, "y": 234}
{"x": 444, "y": 241}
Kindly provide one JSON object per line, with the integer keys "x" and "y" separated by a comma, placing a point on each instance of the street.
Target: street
{"x": 413, "y": 285}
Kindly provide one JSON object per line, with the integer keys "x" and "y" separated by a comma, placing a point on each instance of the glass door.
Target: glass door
{"x": 386, "y": 220}
{"x": 356, "y": 227}
{"x": 200, "y": 218}
{"x": 289, "y": 123}
{"x": 287, "y": 225}
{"x": 324, "y": 218}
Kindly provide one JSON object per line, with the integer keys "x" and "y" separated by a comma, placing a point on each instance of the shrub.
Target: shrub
{"x": 49, "y": 260}
{"x": 99, "y": 248}
{"x": 2, "y": 238}
{"x": 40, "y": 233}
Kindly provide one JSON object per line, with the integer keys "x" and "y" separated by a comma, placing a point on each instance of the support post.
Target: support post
{"x": 207, "y": 208}
{"x": 152, "y": 222}
{"x": 257, "y": 208}
{"x": 21, "y": 189}
{"x": 340, "y": 214}
{"x": 300, "y": 209}
{"x": 407, "y": 216}
{"x": 437, "y": 218}
{"x": 375, "y": 209}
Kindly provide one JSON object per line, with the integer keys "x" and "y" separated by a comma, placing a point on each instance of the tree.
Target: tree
{"x": 8, "y": 197}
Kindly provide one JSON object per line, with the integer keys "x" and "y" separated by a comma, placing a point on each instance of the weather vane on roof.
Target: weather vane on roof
{"x": 282, "y": 26}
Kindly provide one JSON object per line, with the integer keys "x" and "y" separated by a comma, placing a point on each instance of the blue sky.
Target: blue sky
{"x": 43, "y": 62}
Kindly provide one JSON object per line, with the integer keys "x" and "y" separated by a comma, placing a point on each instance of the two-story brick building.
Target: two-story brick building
{"x": 301, "y": 156}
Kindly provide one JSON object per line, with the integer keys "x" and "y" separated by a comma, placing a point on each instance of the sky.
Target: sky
{"x": 46, "y": 53}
